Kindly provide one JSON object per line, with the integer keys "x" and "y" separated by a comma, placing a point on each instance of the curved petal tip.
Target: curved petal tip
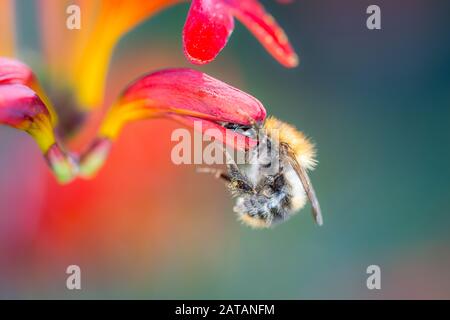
{"x": 208, "y": 26}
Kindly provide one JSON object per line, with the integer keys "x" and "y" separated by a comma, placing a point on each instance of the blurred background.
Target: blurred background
{"x": 376, "y": 103}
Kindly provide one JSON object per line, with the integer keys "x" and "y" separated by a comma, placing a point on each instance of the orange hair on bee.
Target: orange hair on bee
{"x": 252, "y": 222}
{"x": 300, "y": 145}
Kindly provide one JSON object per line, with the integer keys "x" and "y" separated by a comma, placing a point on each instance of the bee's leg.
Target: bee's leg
{"x": 216, "y": 172}
{"x": 234, "y": 182}
{"x": 233, "y": 168}
{"x": 238, "y": 180}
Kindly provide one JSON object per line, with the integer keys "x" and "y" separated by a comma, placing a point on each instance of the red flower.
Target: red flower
{"x": 181, "y": 94}
{"x": 210, "y": 23}
{"x": 81, "y": 60}
{"x": 21, "y": 108}
{"x": 78, "y": 64}
{"x": 184, "y": 95}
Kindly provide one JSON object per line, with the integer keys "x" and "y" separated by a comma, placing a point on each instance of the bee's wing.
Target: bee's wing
{"x": 306, "y": 182}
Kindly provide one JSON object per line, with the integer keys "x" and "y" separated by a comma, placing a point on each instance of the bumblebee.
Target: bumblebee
{"x": 274, "y": 183}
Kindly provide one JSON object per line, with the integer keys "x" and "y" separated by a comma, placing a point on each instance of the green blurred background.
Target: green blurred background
{"x": 376, "y": 103}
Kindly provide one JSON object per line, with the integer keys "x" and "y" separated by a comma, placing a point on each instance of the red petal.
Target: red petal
{"x": 210, "y": 23}
{"x": 23, "y": 109}
{"x": 208, "y": 27}
{"x": 190, "y": 92}
{"x": 19, "y": 106}
{"x": 184, "y": 95}
{"x": 15, "y": 72}
{"x": 253, "y": 15}
{"x": 229, "y": 137}
{"x": 188, "y": 95}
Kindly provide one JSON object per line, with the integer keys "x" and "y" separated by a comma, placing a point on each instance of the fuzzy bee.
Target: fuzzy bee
{"x": 273, "y": 184}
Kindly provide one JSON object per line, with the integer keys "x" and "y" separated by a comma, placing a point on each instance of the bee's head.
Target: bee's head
{"x": 267, "y": 206}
